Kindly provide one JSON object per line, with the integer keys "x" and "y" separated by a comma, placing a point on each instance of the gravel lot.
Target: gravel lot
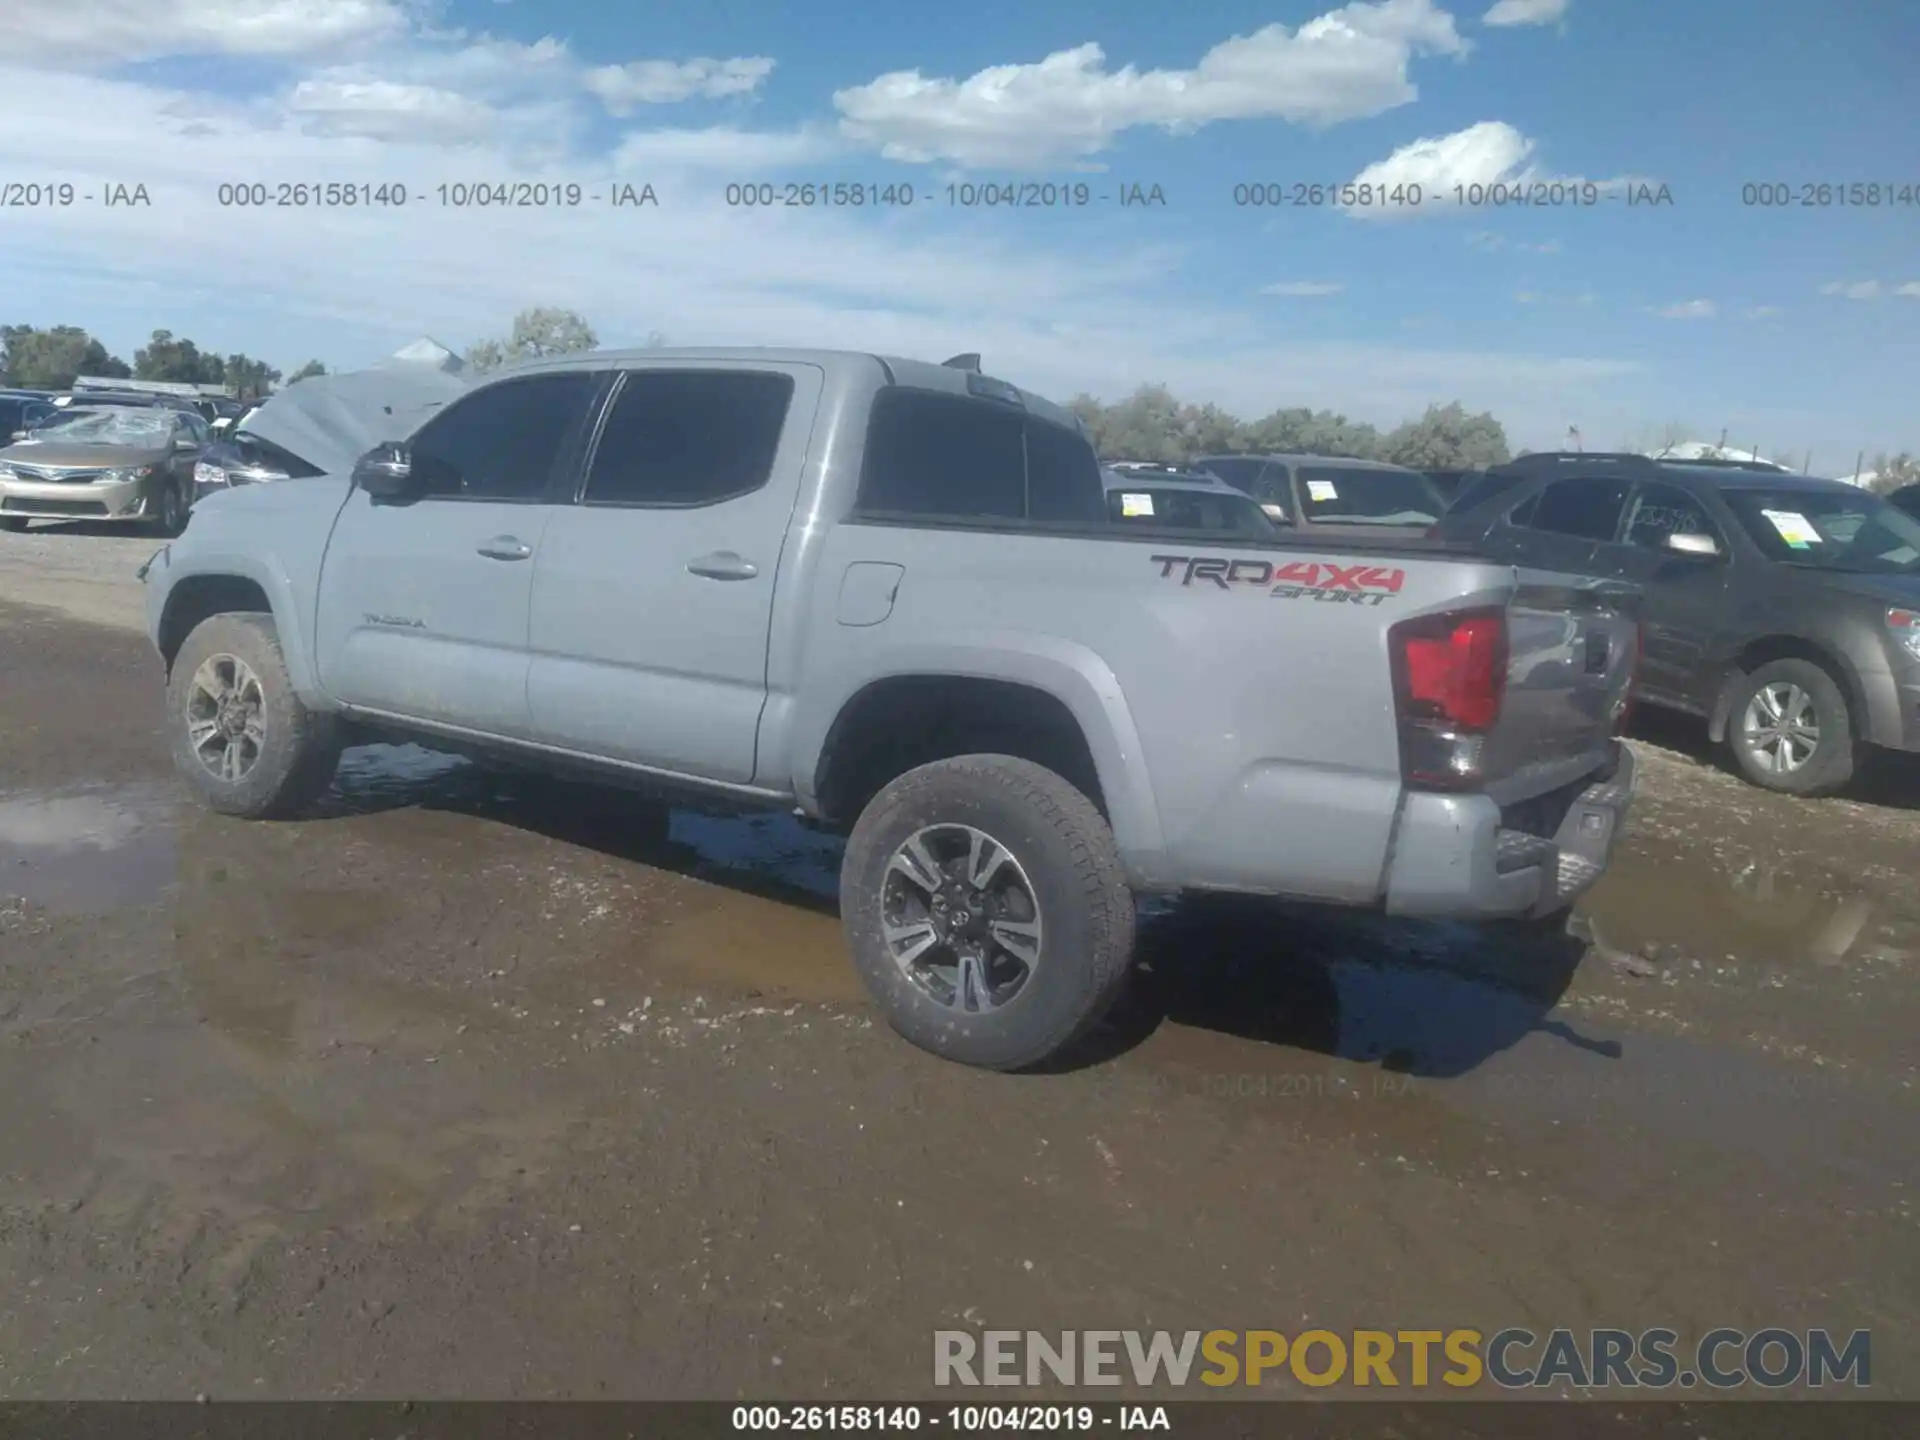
{"x": 457, "y": 1090}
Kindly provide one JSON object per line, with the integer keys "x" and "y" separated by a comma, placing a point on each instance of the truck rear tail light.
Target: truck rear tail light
{"x": 1450, "y": 675}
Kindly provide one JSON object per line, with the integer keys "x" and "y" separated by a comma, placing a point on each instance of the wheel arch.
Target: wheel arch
{"x": 237, "y": 586}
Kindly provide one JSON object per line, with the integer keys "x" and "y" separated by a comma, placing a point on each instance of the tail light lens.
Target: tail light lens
{"x": 1450, "y": 674}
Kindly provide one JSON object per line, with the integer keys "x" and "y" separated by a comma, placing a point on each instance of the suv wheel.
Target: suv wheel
{"x": 985, "y": 906}
{"x": 1791, "y": 730}
{"x": 240, "y": 737}
{"x": 167, "y": 508}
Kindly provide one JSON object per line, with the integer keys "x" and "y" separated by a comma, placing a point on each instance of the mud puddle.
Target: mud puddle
{"x": 86, "y": 851}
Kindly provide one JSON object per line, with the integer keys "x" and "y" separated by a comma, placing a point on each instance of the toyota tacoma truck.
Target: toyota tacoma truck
{"x": 888, "y": 594}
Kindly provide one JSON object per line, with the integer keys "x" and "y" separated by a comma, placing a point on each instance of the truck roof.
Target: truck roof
{"x": 919, "y": 374}
{"x": 1167, "y": 480}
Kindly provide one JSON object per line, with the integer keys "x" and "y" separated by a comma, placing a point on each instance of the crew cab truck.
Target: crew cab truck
{"x": 887, "y": 594}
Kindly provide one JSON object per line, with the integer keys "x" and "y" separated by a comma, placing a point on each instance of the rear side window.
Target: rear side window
{"x": 947, "y": 457}
{"x": 689, "y": 437}
{"x": 1587, "y": 508}
{"x": 1188, "y": 510}
{"x": 1663, "y": 510}
{"x": 1349, "y": 495}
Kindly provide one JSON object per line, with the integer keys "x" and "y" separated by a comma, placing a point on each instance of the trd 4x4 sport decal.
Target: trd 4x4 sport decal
{"x": 1299, "y": 579}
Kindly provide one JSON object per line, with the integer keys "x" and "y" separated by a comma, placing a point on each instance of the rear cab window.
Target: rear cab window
{"x": 933, "y": 456}
{"x": 1353, "y": 495}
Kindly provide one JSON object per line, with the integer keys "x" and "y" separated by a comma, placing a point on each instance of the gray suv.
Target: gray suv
{"x": 1782, "y": 610}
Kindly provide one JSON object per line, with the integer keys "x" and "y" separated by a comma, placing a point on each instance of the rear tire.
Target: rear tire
{"x": 241, "y": 738}
{"x": 1006, "y": 973}
{"x": 1791, "y": 729}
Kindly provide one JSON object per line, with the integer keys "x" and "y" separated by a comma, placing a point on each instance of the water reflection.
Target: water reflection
{"x": 82, "y": 851}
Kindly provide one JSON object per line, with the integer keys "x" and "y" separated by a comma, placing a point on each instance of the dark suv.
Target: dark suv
{"x": 1783, "y": 610}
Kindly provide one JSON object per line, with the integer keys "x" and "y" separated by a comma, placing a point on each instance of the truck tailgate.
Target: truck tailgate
{"x": 1572, "y": 653}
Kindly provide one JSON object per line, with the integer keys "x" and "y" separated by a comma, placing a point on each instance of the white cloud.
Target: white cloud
{"x": 390, "y": 110}
{"x": 722, "y": 149}
{"x": 1525, "y": 12}
{"x": 1303, "y": 288}
{"x": 1083, "y": 312}
{"x": 1762, "y": 312}
{"x": 103, "y": 33}
{"x": 1687, "y": 310}
{"x": 625, "y": 88}
{"x": 1853, "y": 289}
{"x": 1910, "y": 290}
{"x": 1348, "y": 64}
{"x": 1493, "y": 244}
{"x": 1490, "y": 154}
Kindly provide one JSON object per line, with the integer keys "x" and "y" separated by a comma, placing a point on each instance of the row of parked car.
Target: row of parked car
{"x": 1782, "y": 610}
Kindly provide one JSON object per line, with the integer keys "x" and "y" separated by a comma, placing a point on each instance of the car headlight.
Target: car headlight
{"x": 7, "y": 472}
{"x": 120, "y": 477}
{"x": 206, "y": 474}
{"x": 1905, "y": 625}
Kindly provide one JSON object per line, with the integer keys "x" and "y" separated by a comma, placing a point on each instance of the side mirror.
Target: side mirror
{"x": 1700, "y": 547}
{"x": 20, "y": 434}
{"x": 1277, "y": 514}
{"x": 386, "y": 473}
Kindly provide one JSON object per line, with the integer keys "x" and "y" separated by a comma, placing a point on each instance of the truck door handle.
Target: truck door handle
{"x": 723, "y": 565}
{"x": 506, "y": 547}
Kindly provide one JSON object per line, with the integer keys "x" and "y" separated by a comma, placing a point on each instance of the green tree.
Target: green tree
{"x": 308, "y": 371}
{"x": 250, "y": 379}
{"x": 1447, "y": 438}
{"x": 178, "y": 361}
{"x": 1299, "y": 430}
{"x": 1893, "y": 472}
{"x": 536, "y": 332}
{"x": 50, "y": 359}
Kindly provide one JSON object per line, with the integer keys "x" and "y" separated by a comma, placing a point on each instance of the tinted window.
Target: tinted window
{"x": 1844, "y": 529}
{"x": 1188, "y": 510}
{"x": 13, "y": 416}
{"x": 501, "y": 442}
{"x": 1240, "y": 474}
{"x": 1063, "y": 477}
{"x": 1663, "y": 510}
{"x": 689, "y": 437}
{"x": 1477, "y": 490}
{"x": 1586, "y": 508}
{"x": 931, "y": 454}
{"x": 1348, "y": 495}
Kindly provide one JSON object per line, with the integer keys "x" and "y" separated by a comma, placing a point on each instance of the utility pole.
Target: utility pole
{"x": 1858, "y": 461}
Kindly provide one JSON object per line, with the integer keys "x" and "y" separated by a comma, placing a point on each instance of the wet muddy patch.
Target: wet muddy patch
{"x": 83, "y": 851}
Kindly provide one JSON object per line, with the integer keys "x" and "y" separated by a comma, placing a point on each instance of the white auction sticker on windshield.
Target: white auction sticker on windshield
{"x": 1322, "y": 490}
{"x": 1132, "y": 505}
{"x": 1794, "y": 528}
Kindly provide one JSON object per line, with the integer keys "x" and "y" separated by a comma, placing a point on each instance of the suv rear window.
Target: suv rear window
{"x": 936, "y": 456}
{"x": 1350, "y": 495}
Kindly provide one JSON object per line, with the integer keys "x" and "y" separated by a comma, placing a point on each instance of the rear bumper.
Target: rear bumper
{"x": 1454, "y": 855}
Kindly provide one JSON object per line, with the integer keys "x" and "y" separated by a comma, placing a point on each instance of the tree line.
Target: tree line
{"x": 52, "y": 357}
{"x": 1152, "y": 425}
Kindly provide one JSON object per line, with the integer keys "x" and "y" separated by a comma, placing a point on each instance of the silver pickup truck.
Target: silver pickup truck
{"x": 888, "y": 594}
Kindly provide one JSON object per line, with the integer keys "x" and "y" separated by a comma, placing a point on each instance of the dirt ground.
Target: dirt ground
{"x": 459, "y": 1090}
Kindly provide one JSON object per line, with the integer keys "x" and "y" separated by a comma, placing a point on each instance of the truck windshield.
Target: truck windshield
{"x": 107, "y": 426}
{"x": 1854, "y": 532}
{"x": 1349, "y": 495}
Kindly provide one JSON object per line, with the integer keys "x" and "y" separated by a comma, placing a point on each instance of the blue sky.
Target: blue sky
{"x": 1787, "y": 326}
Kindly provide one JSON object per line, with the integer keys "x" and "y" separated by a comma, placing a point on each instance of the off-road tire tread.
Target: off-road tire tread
{"x": 1095, "y": 879}
{"x": 303, "y": 745}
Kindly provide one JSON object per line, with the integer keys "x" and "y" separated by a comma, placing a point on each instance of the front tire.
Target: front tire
{"x": 987, "y": 911}
{"x": 167, "y": 509}
{"x": 241, "y": 738}
{"x": 1791, "y": 729}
